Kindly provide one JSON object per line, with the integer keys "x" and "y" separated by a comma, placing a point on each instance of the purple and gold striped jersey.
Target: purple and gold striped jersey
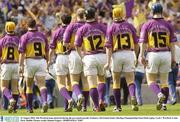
{"x": 158, "y": 34}
{"x": 34, "y": 44}
{"x": 121, "y": 36}
{"x": 70, "y": 32}
{"x": 9, "y": 49}
{"x": 91, "y": 36}
{"x": 57, "y": 40}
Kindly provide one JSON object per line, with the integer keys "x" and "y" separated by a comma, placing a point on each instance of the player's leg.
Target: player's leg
{"x": 75, "y": 79}
{"x": 117, "y": 91}
{"x": 29, "y": 93}
{"x": 6, "y": 73}
{"x": 93, "y": 92}
{"x": 29, "y": 71}
{"x": 43, "y": 92}
{"x": 85, "y": 91}
{"x": 138, "y": 82}
{"x": 164, "y": 70}
{"x": 132, "y": 89}
{"x": 6, "y": 92}
{"x": 154, "y": 60}
{"x": 116, "y": 69}
{"x": 151, "y": 79}
{"x": 15, "y": 92}
{"x": 50, "y": 84}
{"x": 101, "y": 60}
{"x": 61, "y": 82}
{"x": 14, "y": 85}
{"x": 101, "y": 91}
{"x": 62, "y": 71}
{"x": 69, "y": 87}
{"x": 75, "y": 68}
{"x": 164, "y": 88}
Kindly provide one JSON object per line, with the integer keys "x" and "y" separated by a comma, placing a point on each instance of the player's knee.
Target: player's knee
{"x": 74, "y": 83}
{"x": 29, "y": 90}
{"x": 116, "y": 85}
{"x": 164, "y": 85}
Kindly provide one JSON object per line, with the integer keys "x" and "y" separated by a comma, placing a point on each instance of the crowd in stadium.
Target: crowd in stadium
{"x": 58, "y": 20}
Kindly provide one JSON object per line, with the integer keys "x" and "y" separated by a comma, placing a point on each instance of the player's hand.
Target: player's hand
{"x": 21, "y": 71}
{"x": 48, "y": 65}
{"x": 143, "y": 61}
{"x": 106, "y": 66}
{"x": 136, "y": 62}
{"x": 173, "y": 64}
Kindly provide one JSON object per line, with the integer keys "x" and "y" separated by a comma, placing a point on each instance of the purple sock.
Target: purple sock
{"x": 7, "y": 93}
{"x": 29, "y": 100}
{"x": 155, "y": 88}
{"x": 66, "y": 102}
{"x": 101, "y": 91}
{"x": 132, "y": 89}
{"x": 44, "y": 95}
{"x": 165, "y": 91}
{"x": 86, "y": 98}
{"x": 16, "y": 97}
{"x": 94, "y": 95}
{"x": 117, "y": 96}
{"x": 76, "y": 89}
{"x": 64, "y": 92}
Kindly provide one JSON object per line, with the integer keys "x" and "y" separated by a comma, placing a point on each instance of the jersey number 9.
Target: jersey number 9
{"x": 38, "y": 49}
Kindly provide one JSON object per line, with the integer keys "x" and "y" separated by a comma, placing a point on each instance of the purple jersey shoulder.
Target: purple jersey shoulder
{"x": 57, "y": 36}
{"x": 71, "y": 29}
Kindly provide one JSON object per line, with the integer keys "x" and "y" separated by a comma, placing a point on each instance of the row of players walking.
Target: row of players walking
{"x": 84, "y": 50}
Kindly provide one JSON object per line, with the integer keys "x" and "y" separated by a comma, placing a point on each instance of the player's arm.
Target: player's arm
{"x": 173, "y": 41}
{"x": 22, "y": 49}
{"x": 143, "y": 39}
{"x": 109, "y": 47}
{"x": 21, "y": 63}
{"x": 109, "y": 55}
{"x": 172, "y": 48}
{"x": 51, "y": 54}
{"x": 52, "y": 47}
{"x": 136, "y": 49}
{"x": 78, "y": 42}
{"x": 67, "y": 36}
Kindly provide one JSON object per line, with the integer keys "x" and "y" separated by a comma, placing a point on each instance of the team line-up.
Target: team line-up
{"x": 84, "y": 50}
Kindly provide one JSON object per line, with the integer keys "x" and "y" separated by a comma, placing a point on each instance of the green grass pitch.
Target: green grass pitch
{"x": 145, "y": 110}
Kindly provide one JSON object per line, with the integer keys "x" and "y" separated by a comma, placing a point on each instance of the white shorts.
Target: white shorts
{"x": 123, "y": 61}
{"x": 9, "y": 71}
{"x": 158, "y": 62}
{"x": 61, "y": 65}
{"x": 75, "y": 63}
{"x": 94, "y": 64}
{"x": 35, "y": 67}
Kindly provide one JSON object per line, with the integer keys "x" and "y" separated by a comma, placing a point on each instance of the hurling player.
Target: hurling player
{"x": 75, "y": 62}
{"x": 9, "y": 57}
{"x": 121, "y": 46}
{"x": 157, "y": 38}
{"x": 33, "y": 62}
{"x": 61, "y": 65}
{"x": 90, "y": 38}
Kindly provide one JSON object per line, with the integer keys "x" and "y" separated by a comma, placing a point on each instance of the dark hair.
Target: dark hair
{"x": 31, "y": 23}
{"x": 66, "y": 19}
{"x": 90, "y": 13}
{"x": 81, "y": 15}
